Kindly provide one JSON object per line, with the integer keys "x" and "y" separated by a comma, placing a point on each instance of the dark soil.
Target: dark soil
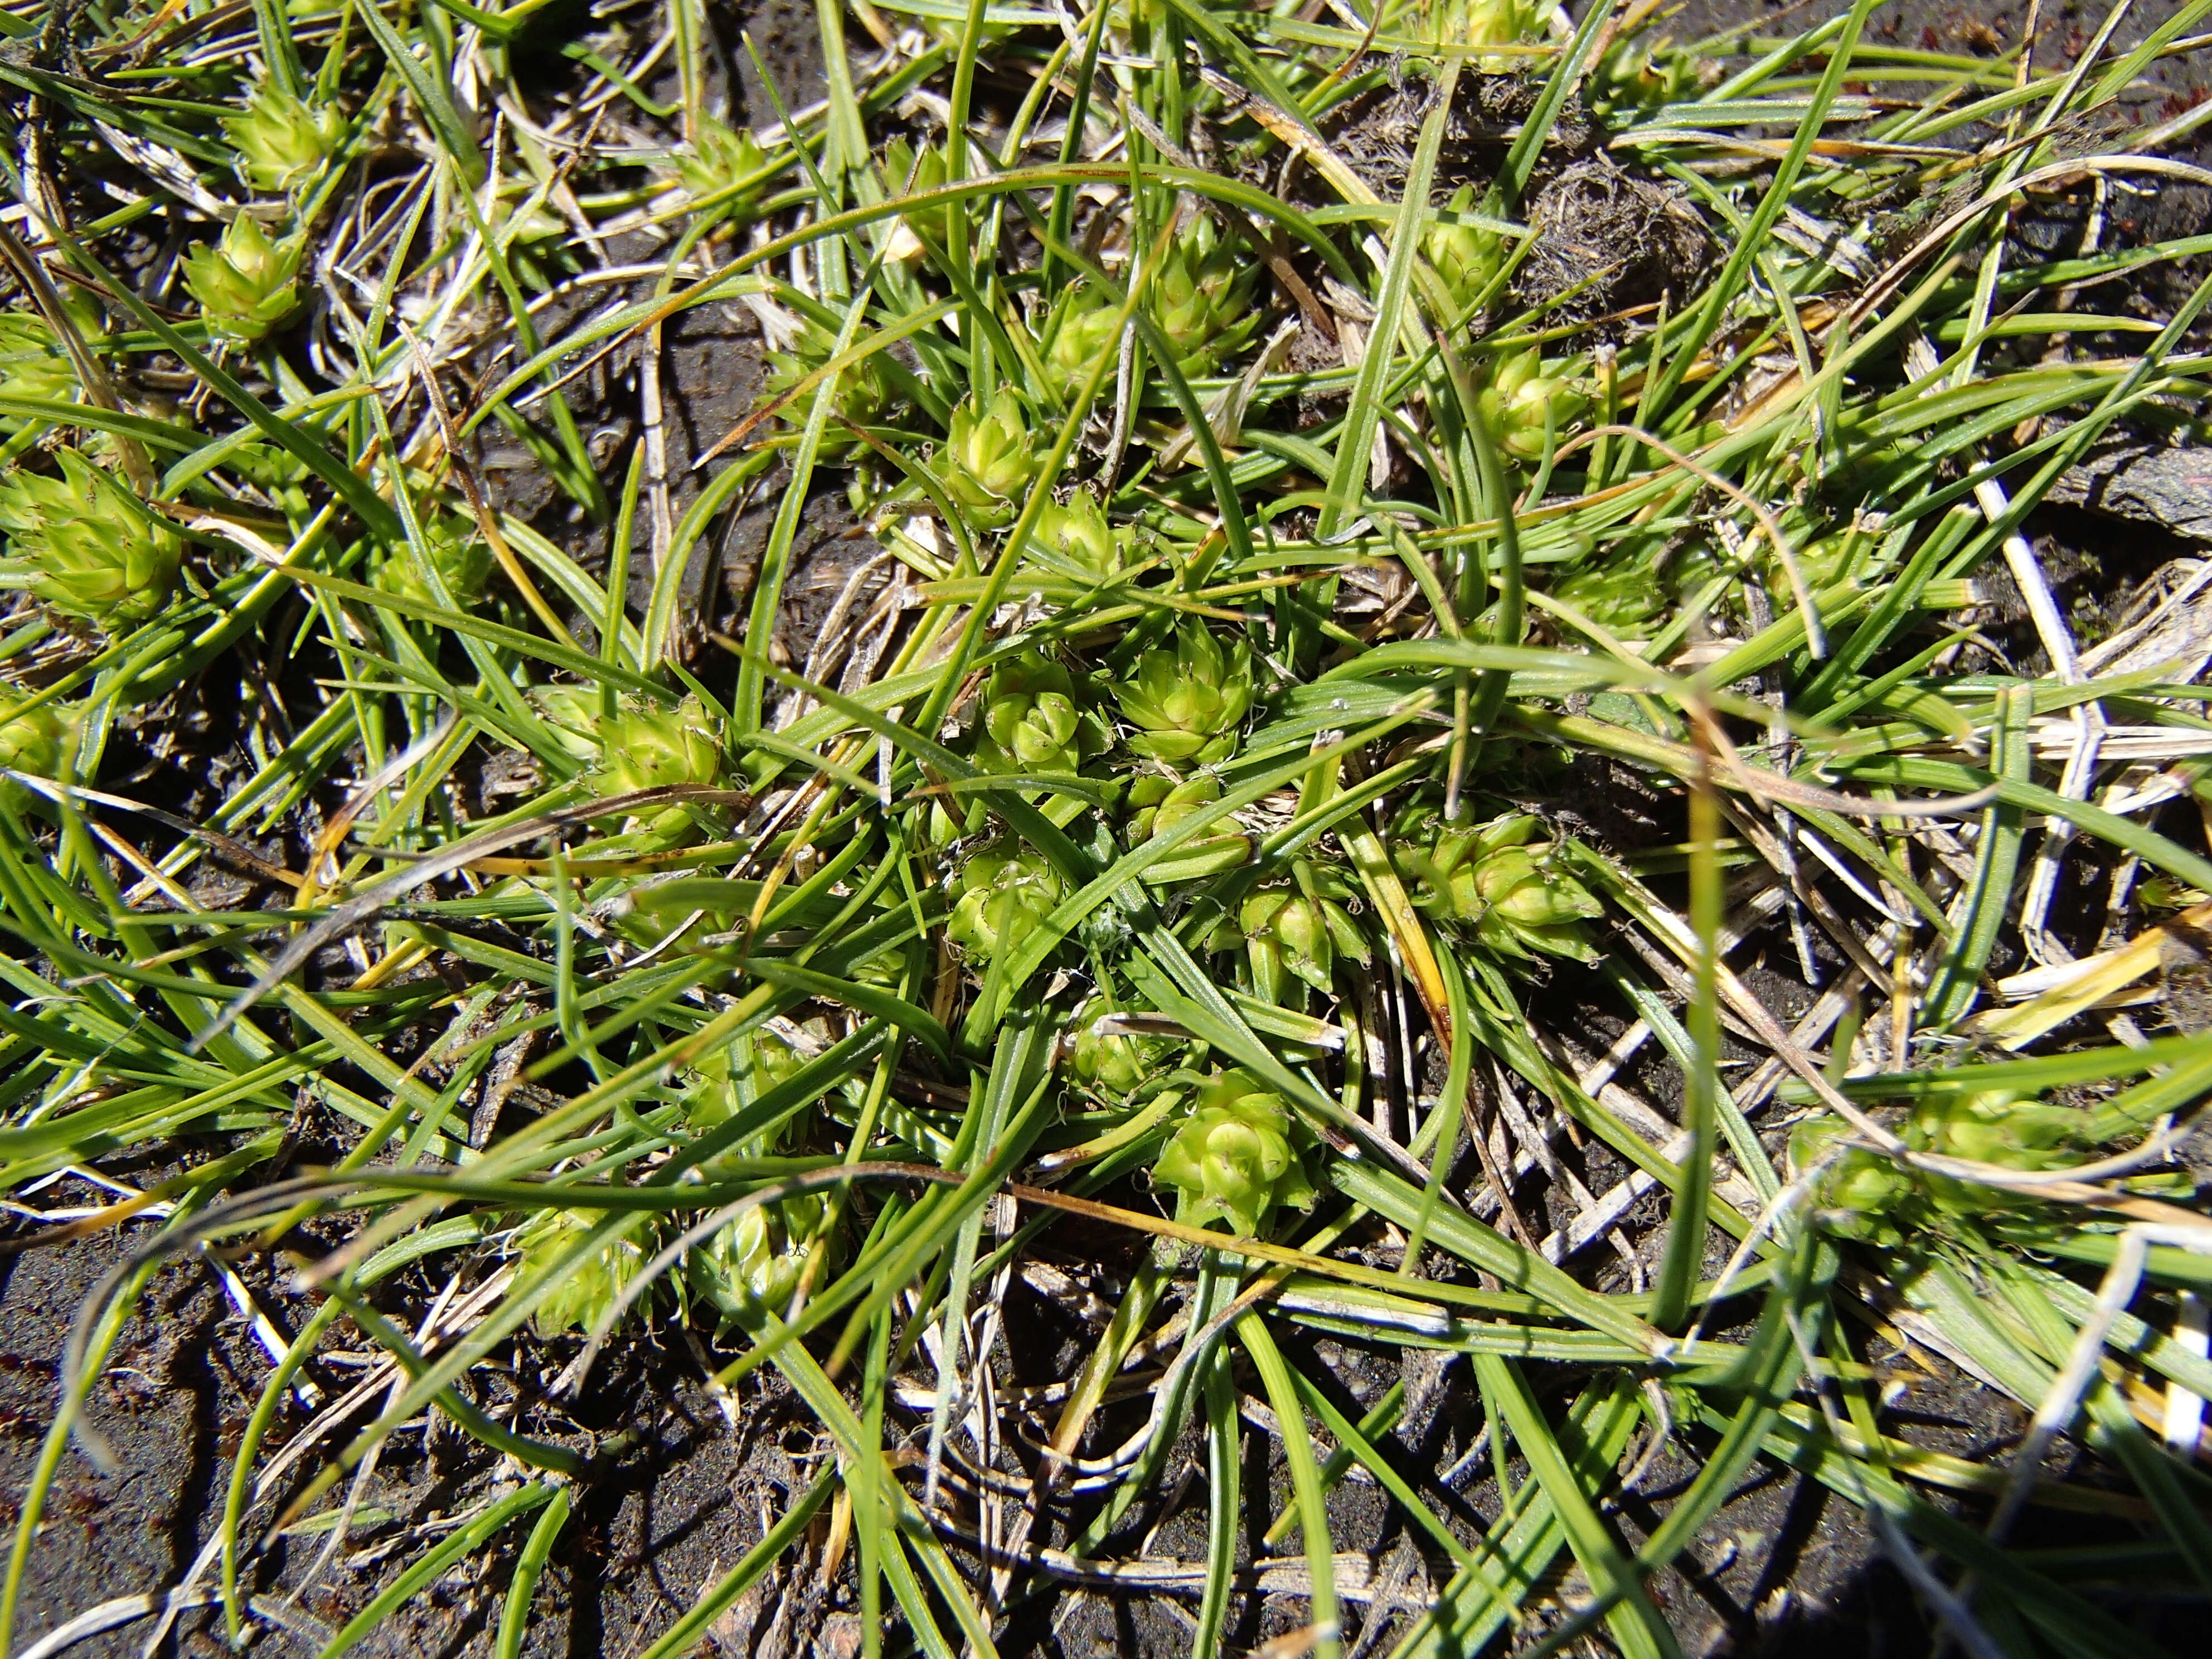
{"x": 1783, "y": 1569}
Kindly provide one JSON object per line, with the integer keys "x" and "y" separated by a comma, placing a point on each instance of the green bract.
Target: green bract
{"x": 583, "y": 1293}
{"x": 864, "y": 390}
{"x": 990, "y": 458}
{"x": 84, "y": 545}
{"x": 1297, "y": 929}
{"x": 282, "y": 141}
{"x": 1528, "y": 409}
{"x": 1485, "y": 23}
{"x": 753, "y": 1267}
{"x": 248, "y": 282}
{"x": 33, "y": 740}
{"x": 1235, "y": 1158}
{"x": 1000, "y": 895}
{"x": 1188, "y": 701}
{"x": 32, "y": 365}
{"x": 1517, "y": 897}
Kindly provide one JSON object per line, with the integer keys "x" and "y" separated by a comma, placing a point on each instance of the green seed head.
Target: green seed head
{"x": 1515, "y": 884}
{"x": 1299, "y": 929}
{"x": 1516, "y": 896}
{"x": 1616, "y": 597}
{"x": 1134, "y": 19}
{"x": 454, "y": 552}
{"x": 1032, "y": 721}
{"x": 1037, "y": 734}
{"x": 1468, "y": 257}
{"x": 1201, "y": 296}
{"x": 31, "y": 741}
{"x": 1995, "y": 1127}
{"x": 1869, "y": 1196}
{"x": 2169, "y": 893}
{"x": 864, "y": 390}
{"x": 990, "y": 458}
{"x": 1533, "y": 907}
{"x": 282, "y": 141}
{"x": 650, "y": 746}
{"x": 1527, "y": 408}
{"x": 1273, "y": 924}
{"x": 248, "y": 282}
{"x": 1113, "y": 1065}
{"x": 718, "y": 160}
{"x": 2028, "y": 1136}
{"x": 1235, "y": 1156}
{"x": 909, "y": 172}
{"x": 733, "y": 1078}
{"x": 1161, "y": 803}
{"x": 84, "y": 545}
{"x": 531, "y": 230}
{"x": 584, "y": 1293}
{"x": 1283, "y": 934}
{"x": 571, "y": 713}
{"x": 1081, "y": 330}
{"x": 1188, "y": 701}
{"x": 1863, "y": 1195}
{"x": 999, "y": 896}
{"x": 277, "y": 473}
{"x": 1078, "y": 534}
{"x": 1823, "y": 562}
{"x": 734, "y": 1075}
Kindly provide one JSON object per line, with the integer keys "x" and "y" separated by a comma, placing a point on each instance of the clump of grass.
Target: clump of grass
{"x": 1288, "y": 517}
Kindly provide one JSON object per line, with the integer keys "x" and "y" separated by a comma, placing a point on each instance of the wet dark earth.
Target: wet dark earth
{"x": 1785, "y": 1567}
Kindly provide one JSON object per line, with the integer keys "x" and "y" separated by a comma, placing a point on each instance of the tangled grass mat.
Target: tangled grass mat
{"x": 1302, "y": 828}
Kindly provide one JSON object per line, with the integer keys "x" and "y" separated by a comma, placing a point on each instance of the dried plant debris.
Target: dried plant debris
{"x": 1379, "y": 131}
{"x": 1606, "y": 241}
{"x": 2168, "y": 488}
{"x": 894, "y": 828}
